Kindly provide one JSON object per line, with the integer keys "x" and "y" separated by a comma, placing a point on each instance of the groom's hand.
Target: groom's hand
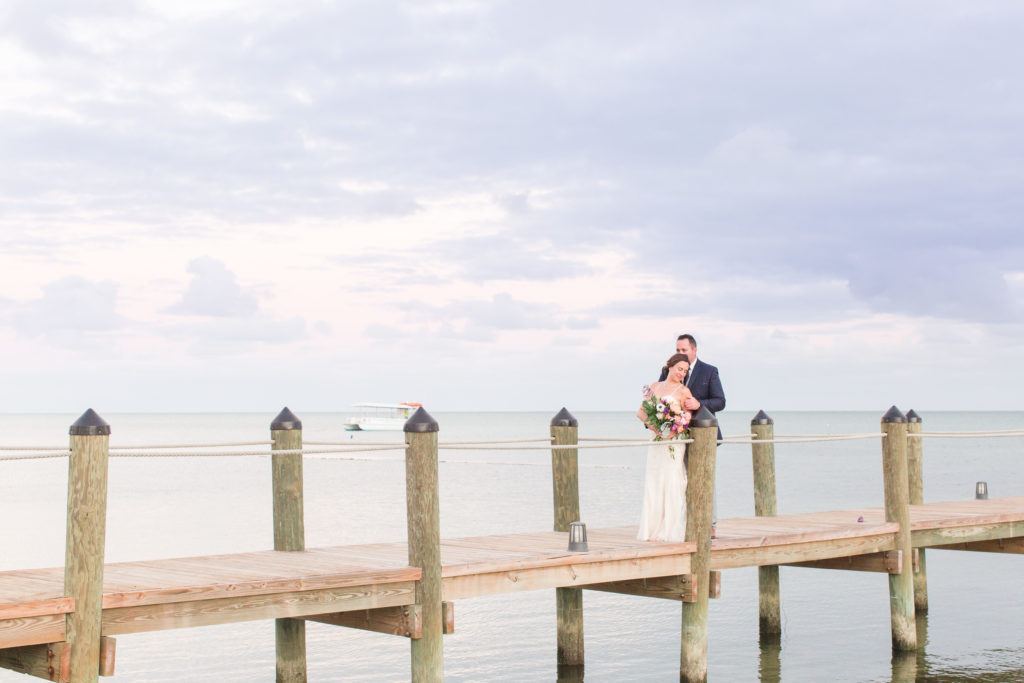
{"x": 691, "y": 404}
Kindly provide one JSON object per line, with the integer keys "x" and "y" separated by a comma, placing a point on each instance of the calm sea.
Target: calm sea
{"x": 836, "y": 624}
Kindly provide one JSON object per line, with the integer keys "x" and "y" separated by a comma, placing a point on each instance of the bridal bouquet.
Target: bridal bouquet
{"x": 665, "y": 415}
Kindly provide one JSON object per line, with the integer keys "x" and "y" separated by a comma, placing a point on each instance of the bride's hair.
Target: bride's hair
{"x": 676, "y": 357}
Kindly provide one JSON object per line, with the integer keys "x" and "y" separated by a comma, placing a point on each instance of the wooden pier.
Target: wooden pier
{"x": 376, "y": 587}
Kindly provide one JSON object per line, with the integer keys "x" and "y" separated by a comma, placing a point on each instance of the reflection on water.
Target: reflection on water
{"x": 991, "y": 666}
{"x": 904, "y": 667}
{"x": 769, "y": 667}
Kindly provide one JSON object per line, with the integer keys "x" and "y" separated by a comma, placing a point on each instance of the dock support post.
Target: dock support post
{"x": 763, "y": 454}
{"x": 566, "y": 486}
{"x": 700, "y": 492}
{"x": 424, "y": 522}
{"x": 915, "y": 472}
{"x": 897, "y": 509}
{"x": 85, "y": 545}
{"x": 289, "y": 534}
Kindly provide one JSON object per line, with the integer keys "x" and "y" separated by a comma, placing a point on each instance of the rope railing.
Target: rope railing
{"x": 295, "y": 451}
{"x": 617, "y": 444}
{"x": 519, "y": 444}
{"x": 981, "y": 435}
{"x": 226, "y": 444}
{"x": 36, "y": 456}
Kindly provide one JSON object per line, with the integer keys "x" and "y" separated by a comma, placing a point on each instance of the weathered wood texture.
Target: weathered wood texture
{"x": 448, "y": 616}
{"x": 566, "y": 491}
{"x": 888, "y": 562}
{"x": 715, "y": 585}
{"x": 157, "y": 617}
{"x": 424, "y": 528}
{"x": 915, "y": 477}
{"x": 84, "y": 551}
{"x": 289, "y": 535}
{"x": 700, "y": 491}
{"x": 35, "y": 630}
{"x": 897, "y": 509}
{"x": 406, "y": 621}
{"x": 108, "y": 653}
{"x": 49, "y": 661}
{"x": 682, "y": 588}
{"x": 769, "y": 602}
{"x": 1013, "y": 546}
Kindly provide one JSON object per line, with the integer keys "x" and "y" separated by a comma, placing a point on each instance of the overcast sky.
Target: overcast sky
{"x": 228, "y": 205}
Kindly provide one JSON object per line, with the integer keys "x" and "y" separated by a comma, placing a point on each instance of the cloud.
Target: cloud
{"x": 507, "y": 257}
{"x": 214, "y": 291}
{"x": 70, "y": 304}
{"x": 225, "y": 317}
{"x": 480, "y": 319}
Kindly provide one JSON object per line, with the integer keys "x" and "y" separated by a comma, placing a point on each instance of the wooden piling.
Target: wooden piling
{"x": 897, "y": 509}
{"x": 700, "y": 493}
{"x": 915, "y": 473}
{"x": 85, "y": 542}
{"x": 424, "y": 523}
{"x": 289, "y": 534}
{"x": 566, "y": 487}
{"x": 763, "y": 456}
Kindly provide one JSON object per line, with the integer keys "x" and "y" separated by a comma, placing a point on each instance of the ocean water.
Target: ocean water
{"x": 835, "y": 624}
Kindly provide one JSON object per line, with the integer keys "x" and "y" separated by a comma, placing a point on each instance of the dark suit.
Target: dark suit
{"x": 705, "y": 385}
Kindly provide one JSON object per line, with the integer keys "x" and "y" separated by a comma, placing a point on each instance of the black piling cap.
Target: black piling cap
{"x": 704, "y": 418}
{"x": 762, "y": 419}
{"x": 90, "y": 424}
{"x": 285, "y": 421}
{"x": 912, "y": 416}
{"x": 563, "y": 418}
{"x": 893, "y": 415}
{"x": 420, "y": 422}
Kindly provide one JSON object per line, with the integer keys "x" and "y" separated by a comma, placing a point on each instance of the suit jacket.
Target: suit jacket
{"x": 705, "y": 385}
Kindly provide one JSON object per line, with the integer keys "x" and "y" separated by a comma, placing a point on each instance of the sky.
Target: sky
{"x": 237, "y": 206}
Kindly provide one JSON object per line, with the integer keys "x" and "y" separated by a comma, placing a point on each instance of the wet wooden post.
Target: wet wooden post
{"x": 763, "y": 454}
{"x": 700, "y": 493}
{"x": 915, "y": 472}
{"x": 85, "y": 543}
{"x": 424, "y": 523}
{"x": 566, "y": 487}
{"x": 897, "y": 509}
{"x": 289, "y": 534}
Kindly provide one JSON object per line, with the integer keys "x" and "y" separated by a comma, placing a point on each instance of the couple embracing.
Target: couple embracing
{"x": 686, "y": 385}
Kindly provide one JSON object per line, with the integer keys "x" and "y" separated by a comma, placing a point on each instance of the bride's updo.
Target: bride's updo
{"x": 676, "y": 357}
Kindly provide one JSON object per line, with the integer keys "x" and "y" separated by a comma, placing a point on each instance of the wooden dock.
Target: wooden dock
{"x": 374, "y": 587}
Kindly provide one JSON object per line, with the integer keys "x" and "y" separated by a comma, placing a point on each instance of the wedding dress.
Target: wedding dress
{"x": 663, "y": 517}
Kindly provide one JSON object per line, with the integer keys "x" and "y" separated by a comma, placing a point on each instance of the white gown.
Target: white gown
{"x": 663, "y": 517}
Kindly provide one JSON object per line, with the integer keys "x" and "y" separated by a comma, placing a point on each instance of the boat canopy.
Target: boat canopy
{"x": 387, "y": 405}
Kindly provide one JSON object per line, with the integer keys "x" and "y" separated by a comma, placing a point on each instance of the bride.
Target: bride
{"x": 664, "y": 511}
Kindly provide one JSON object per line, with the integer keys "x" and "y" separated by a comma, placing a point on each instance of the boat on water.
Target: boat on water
{"x": 380, "y": 417}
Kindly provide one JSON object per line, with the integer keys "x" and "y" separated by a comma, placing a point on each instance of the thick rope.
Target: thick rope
{"x": 37, "y": 456}
{"x": 307, "y": 451}
{"x": 563, "y": 446}
{"x": 400, "y": 444}
{"x": 193, "y": 445}
{"x": 982, "y": 435}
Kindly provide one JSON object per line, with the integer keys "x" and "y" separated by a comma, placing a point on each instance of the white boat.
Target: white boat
{"x": 380, "y": 417}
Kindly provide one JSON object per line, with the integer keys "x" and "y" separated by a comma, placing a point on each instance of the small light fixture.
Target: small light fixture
{"x": 981, "y": 491}
{"x": 578, "y": 537}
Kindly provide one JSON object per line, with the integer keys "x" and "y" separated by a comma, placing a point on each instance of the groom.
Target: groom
{"x": 702, "y": 380}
